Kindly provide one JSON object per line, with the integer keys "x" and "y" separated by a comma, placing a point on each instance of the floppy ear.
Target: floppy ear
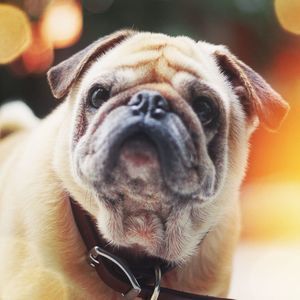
{"x": 257, "y": 96}
{"x": 62, "y": 76}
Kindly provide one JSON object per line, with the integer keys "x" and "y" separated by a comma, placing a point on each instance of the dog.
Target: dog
{"x": 151, "y": 141}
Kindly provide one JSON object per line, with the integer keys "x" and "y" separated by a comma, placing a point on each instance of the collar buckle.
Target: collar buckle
{"x": 93, "y": 261}
{"x": 156, "y": 290}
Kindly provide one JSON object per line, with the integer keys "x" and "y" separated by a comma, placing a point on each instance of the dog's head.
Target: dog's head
{"x": 159, "y": 135}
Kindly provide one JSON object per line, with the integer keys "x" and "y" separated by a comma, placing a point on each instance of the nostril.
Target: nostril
{"x": 158, "y": 113}
{"x": 135, "y": 110}
{"x": 140, "y": 97}
{"x": 159, "y": 106}
{"x": 160, "y": 102}
{"x": 139, "y": 103}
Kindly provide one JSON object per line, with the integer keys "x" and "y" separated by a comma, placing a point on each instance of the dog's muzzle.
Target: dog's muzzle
{"x": 148, "y": 119}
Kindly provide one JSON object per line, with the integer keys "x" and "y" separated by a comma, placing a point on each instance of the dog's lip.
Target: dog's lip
{"x": 139, "y": 150}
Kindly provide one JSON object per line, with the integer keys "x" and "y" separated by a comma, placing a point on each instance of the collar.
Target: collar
{"x": 131, "y": 278}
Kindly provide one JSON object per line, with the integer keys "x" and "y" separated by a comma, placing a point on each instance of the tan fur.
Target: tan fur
{"x": 42, "y": 255}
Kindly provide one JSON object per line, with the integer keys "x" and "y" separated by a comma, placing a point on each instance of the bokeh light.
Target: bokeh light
{"x": 39, "y": 56}
{"x": 288, "y": 13}
{"x": 270, "y": 210}
{"x": 15, "y": 32}
{"x": 62, "y": 23}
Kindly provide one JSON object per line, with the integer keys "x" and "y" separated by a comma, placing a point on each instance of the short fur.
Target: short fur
{"x": 42, "y": 255}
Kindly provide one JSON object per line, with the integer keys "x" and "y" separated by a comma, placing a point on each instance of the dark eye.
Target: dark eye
{"x": 98, "y": 96}
{"x": 206, "y": 109}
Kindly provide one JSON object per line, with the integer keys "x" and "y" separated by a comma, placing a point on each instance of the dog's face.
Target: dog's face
{"x": 159, "y": 135}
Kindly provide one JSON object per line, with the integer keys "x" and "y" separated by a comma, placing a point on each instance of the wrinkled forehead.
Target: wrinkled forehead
{"x": 145, "y": 48}
{"x": 161, "y": 54}
{"x": 156, "y": 58}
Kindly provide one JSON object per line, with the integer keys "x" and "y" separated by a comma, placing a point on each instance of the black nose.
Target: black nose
{"x": 149, "y": 102}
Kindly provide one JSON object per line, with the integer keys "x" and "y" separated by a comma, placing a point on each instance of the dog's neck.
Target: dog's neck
{"x": 140, "y": 264}
{"x": 119, "y": 271}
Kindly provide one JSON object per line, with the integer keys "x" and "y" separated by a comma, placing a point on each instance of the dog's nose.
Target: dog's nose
{"x": 149, "y": 102}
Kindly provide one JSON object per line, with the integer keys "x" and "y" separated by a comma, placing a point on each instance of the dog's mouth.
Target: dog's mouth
{"x": 139, "y": 153}
{"x": 144, "y": 149}
{"x": 144, "y": 159}
{"x": 139, "y": 150}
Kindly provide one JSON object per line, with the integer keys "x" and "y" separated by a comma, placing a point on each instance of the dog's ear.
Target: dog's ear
{"x": 257, "y": 96}
{"x": 62, "y": 76}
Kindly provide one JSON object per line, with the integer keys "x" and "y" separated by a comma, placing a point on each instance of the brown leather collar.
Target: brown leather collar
{"x": 130, "y": 280}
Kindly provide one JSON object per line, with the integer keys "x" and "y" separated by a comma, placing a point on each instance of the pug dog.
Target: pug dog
{"x": 150, "y": 140}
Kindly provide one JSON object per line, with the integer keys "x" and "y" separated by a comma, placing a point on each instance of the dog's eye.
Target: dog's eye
{"x": 206, "y": 109}
{"x": 98, "y": 96}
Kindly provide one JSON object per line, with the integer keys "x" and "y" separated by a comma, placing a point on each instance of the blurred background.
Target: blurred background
{"x": 36, "y": 34}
